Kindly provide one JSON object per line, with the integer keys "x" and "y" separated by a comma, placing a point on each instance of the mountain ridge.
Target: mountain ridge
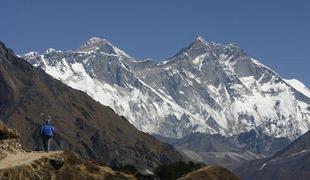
{"x": 206, "y": 87}
{"x": 292, "y": 162}
{"x": 229, "y": 152}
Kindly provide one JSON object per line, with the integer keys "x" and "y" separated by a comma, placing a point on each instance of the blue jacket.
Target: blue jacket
{"x": 47, "y": 130}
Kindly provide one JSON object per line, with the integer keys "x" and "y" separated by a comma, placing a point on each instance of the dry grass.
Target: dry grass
{"x": 210, "y": 173}
{"x": 8, "y": 133}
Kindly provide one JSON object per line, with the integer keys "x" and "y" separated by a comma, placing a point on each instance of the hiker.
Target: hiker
{"x": 47, "y": 132}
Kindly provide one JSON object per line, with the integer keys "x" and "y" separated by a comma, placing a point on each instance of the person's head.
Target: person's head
{"x": 48, "y": 120}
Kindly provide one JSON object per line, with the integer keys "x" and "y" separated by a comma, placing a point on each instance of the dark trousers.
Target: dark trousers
{"x": 46, "y": 142}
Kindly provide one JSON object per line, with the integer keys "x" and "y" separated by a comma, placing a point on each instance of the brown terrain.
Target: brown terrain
{"x": 18, "y": 164}
{"x": 210, "y": 173}
{"x": 15, "y": 163}
{"x": 93, "y": 131}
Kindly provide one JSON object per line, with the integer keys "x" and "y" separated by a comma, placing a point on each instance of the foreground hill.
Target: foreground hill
{"x": 210, "y": 173}
{"x": 15, "y": 163}
{"x": 83, "y": 125}
{"x": 292, "y": 162}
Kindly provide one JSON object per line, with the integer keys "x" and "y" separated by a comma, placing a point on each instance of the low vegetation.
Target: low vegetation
{"x": 176, "y": 170}
{"x": 7, "y": 133}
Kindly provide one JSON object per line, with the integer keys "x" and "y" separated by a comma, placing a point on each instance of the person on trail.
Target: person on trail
{"x": 47, "y": 132}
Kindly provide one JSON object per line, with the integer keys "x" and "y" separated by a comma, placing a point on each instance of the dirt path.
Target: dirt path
{"x": 23, "y": 158}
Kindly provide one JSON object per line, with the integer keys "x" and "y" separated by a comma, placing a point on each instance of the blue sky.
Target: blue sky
{"x": 275, "y": 32}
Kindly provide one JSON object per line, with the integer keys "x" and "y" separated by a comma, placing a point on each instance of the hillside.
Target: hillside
{"x": 83, "y": 125}
{"x": 292, "y": 162}
{"x": 210, "y": 173}
{"x": 15, "y": 163}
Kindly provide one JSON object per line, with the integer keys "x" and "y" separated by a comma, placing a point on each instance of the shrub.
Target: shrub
{"x": 7, "y": 133}
{"x": 176, "y": 170}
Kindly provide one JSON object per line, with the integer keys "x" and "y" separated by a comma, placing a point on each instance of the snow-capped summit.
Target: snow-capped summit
{"x": 201, "y": 39}
{"x": 101, "y": 45}
{"x": 93, "y": 43}
{"x": 93, "y": 40}
{"x": 51, "y": 50}
{"x": 298, "y": 86}
{"x": 207, "y": 87}
{"x": 199, "y": 49}
{"x": 32, "y": 54}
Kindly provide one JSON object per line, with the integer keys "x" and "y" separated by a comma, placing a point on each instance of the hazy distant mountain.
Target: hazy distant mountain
{"x": 82, "y": 125}
{"x": 206, "y": 87}
{"x": 229, "y": 152}
{"x": 292, "y": 162}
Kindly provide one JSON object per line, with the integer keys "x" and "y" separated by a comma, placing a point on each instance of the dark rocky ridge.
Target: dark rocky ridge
{"x": 83, "y": 125}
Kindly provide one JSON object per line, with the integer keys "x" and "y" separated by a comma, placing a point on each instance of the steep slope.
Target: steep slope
{"x": 15, "y": 163}
{"x": 206, "y": 87}
{"x": 292, "y": 162}
{"x": 82, "y": 124}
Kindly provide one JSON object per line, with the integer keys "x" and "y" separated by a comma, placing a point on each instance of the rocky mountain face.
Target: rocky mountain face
{"x": 292, "y": 162}
{"x": 229, "y": 152}
{"x": 94, "y": 131}
{"x": 207, "y": 87}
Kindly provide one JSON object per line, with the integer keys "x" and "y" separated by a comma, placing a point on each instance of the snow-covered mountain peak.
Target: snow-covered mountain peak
{"x": 199, "y": 50}
{"x": 96, "y": 39}
{"x": 95, "y": 43}
{"x": 101, "y": 45}
{"x": 299, "y": 86}
{"x": 201, "y": 39}
{"x": 51, "y": 50}
{"x": 207, "y": 87}
{"x": 32, "y": 54}
{"x": 198, "y": 47}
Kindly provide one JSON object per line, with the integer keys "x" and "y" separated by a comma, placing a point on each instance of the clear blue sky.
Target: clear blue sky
{"x": 275, "y": 32}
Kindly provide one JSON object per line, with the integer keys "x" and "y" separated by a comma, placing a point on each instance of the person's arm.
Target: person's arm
{"x": 41, "y": 130}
